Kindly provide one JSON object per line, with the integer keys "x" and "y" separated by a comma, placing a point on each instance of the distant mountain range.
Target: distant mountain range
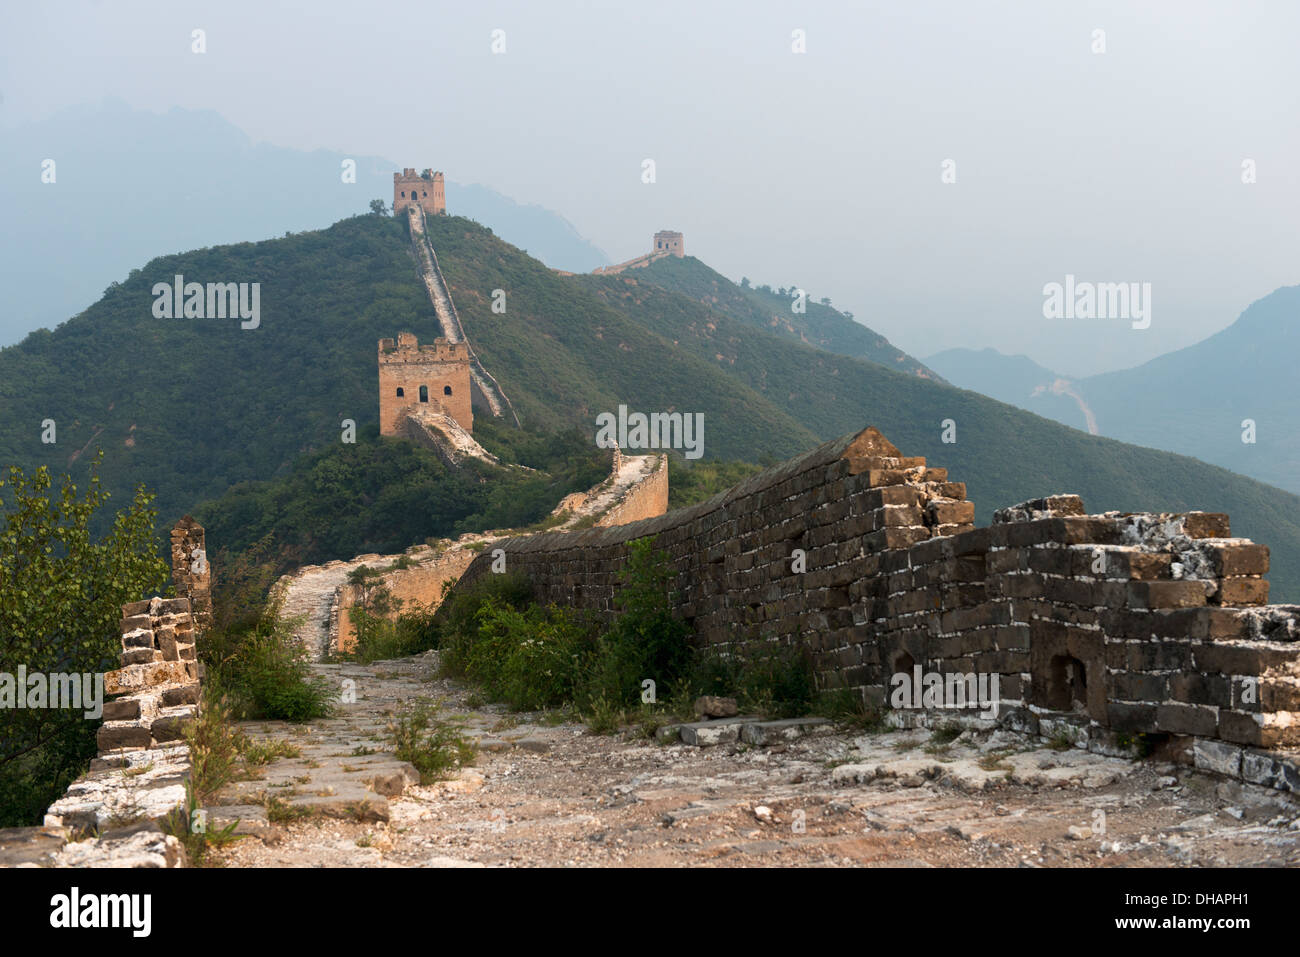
{"x": 131, "y": 185}
{"x": 1200, "y": 401}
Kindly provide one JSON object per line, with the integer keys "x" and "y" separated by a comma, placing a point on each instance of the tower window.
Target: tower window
{"x": 424, "y": 393}
{"x": 403, "y": 194}
{"x": 400, "y": 392}
{"x": 446, "y": 390}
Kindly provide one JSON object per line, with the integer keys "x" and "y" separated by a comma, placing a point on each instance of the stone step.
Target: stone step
{"x": 706, "y": 734}
{"x": 766, "y": 733}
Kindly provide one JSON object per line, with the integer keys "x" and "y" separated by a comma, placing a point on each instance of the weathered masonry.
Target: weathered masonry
{"x": 1107, "y": 626}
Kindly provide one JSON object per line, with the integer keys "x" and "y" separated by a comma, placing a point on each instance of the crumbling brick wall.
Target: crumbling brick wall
{"x": 156, "y": 692}
{"x": 1120, "y": 624}
{"x": 191, "y": 573}
{"x": 143, "y": 764}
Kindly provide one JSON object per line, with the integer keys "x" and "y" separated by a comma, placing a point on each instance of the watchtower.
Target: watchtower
{"x": 669, "y": 241}
{"x": 412, "y": 376}
{"x": 426, "y": 189}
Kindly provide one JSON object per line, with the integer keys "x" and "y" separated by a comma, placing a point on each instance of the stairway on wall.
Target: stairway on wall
{"x": 440, "y": 432}
{"x": 448, "y": 320}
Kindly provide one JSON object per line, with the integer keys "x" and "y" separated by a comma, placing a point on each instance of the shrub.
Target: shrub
{"x": 530, "y": 658}
{"x": 849, "y": 707}
{"x": 776, "y": 680}
{"x": 264, "y": 673}
{"x": 435, "y": 745}
{"x": 645, "y": 640}
{"x": 455, "y": 624}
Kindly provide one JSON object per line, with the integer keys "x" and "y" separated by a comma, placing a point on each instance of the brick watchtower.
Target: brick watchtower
{"x": 412, "y": 376}
{"x": 425, "y": 189}
{"x": 668, "y": 241}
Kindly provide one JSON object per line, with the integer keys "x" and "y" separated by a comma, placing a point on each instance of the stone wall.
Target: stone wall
{"x": 143, "y": 765}
{"x": 1109, "y": 625}
{"x": 646, "y": 499}
{"x": 191, "y": 573}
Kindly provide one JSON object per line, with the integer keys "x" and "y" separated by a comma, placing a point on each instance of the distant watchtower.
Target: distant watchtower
{"x": 668, "y": 241}
{"x": 412, "y": 376}
{"x": 424, "y": 189}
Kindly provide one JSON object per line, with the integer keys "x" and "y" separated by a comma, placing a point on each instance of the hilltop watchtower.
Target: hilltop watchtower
{"x": 412, "y": 376}
{"x": 670, "y": 242}
{"x": 425, "y": 189}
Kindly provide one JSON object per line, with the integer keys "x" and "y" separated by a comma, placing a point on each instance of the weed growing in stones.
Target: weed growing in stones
{"x": 184, "y": 824}
{"x": 945, "y": 734}
{"x": 849, "y": 708}
{"x": 434, "y": 744}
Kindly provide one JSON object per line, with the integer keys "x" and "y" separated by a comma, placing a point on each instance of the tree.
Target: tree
{"x": 744, "y": 282}
{"x": 371, "y": 615}
{"x": 378, "y": 208}
{"x": 61, "y": 597}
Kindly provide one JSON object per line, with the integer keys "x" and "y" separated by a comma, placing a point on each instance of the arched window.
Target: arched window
{"x": 446, "y": 390}
{"x": 424, "y": 393}
{"x": 424, "y": 192}
{"x": 403, "y": 194}
{"x": 400, "y": 392}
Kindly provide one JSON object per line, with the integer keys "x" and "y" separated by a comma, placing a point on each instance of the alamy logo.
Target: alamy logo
{"x": 74, "y": 910}
{"x": 39, "y": 691}
{"x": 935, "y": 690}
{"x": 215, "y": 300}
{"x": 658, "y": 430}
{"x": 1098, "y": 300}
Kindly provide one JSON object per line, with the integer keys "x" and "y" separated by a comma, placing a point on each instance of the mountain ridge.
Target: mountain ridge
{"x": 193, "y": 407}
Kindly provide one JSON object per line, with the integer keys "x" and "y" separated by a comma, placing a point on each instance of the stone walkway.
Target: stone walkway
{"x": 308, "y": 595}
{"x": 544, "y": 791}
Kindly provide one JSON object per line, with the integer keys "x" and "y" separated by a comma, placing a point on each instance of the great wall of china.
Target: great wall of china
{"x": 1106, "y": 629}
{"x": 1118, "y": 632}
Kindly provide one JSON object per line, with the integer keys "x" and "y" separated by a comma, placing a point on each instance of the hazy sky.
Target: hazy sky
{"x": 821, "y": 169}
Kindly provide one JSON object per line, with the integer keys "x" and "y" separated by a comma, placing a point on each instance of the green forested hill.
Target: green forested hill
{"x": 192, "y": 407}
{"x": 772, "y": 310}
{"x": 1004, "y": 454}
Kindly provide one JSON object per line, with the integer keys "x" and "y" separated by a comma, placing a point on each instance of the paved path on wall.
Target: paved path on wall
{"x": 551, "y": 794}
{"x": 448, "y": 318}
{"x": 309, "y": 598}
{"x": 309, "y": 594}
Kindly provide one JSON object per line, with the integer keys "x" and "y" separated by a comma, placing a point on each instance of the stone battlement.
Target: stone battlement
{"x": 144, "y": 762}
{"x": 406, "y": 348}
